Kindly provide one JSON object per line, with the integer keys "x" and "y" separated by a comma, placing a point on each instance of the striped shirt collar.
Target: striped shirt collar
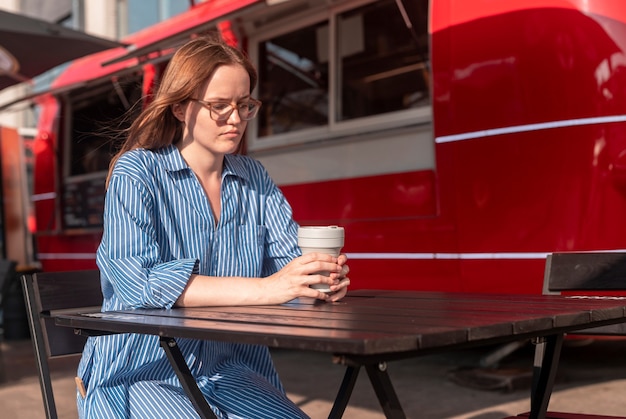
{"x": 173, "y": 161}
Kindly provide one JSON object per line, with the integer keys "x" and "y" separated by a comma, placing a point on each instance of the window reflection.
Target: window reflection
{"x": 293, "y": 76}
{"x": 382, "y": 58}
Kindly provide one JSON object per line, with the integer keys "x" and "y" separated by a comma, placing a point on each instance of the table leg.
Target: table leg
{"x": 546, "y": 363}
{"x": 345, "y": 391}
{"x": 385, "y": 391}
{"x": 175, "y": 356}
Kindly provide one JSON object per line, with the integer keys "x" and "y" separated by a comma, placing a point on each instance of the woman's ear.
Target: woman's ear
{"x": 179, "y": 111}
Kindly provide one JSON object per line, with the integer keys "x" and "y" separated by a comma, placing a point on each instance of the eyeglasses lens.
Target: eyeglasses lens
{"x": 246, "y": 111}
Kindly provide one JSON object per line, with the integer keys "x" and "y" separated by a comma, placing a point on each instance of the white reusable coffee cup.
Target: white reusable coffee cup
{"x": 321, "y": 239}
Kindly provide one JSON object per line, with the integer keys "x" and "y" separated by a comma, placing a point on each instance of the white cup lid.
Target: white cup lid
{"x": 326, "y": 237}
{"x": 321, "y": 232}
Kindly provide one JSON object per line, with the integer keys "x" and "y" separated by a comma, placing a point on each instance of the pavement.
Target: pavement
{"x": 452, "y": 385}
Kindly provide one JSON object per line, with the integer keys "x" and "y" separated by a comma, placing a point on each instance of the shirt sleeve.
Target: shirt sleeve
{"x": 129, "y": 255}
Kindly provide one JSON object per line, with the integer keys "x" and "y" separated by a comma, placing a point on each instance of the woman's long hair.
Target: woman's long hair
{"x": 188, "y": 71}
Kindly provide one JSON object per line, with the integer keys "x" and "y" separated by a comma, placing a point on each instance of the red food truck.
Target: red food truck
{"x": 463, "y": 141}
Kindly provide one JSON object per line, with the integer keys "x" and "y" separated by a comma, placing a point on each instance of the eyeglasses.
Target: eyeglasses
{"x": 221, "y": 111}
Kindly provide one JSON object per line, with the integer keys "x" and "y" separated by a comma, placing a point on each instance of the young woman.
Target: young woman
{"x": 188, "y": 222}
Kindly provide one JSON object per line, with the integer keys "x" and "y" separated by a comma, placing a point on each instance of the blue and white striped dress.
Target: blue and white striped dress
{"x": 158, "y": 230}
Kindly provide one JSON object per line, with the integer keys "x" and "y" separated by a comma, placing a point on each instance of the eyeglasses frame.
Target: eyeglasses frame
{"x": 209, "y": 104}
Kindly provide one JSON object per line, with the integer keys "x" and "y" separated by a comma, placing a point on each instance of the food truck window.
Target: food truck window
{"x": 96, "y": 113}
{"x": 340, "y": 66}
{"x": 382, "y": 49}
{"x": 294, "y": 81}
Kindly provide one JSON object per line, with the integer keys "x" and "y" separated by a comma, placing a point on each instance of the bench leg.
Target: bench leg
{"x": 546, "y": 362}
{"x": 170, "y": 346}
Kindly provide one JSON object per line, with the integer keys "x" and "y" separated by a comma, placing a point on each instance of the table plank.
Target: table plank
{"x": 525, "y": 319}
{"x": 374, "y": 321}
{"x": 317, "y": 339}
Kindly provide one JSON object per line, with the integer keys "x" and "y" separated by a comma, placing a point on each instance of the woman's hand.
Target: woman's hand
{"x": 339, "y": 290}
{"x": 294, "y": 279}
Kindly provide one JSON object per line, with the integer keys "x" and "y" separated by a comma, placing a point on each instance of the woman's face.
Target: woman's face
{"x": 229, "y": 85}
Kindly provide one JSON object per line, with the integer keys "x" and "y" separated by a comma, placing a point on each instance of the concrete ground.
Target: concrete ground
{"x": 592, "y": 378}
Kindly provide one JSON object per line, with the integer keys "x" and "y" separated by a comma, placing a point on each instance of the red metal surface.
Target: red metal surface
{"x": 384, "y": 197}
{"x": 514, "y": 64}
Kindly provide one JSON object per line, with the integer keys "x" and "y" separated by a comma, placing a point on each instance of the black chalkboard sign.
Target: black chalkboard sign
{"x": 83, "y": 203}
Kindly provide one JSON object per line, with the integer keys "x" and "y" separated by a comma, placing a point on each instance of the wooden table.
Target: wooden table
{"x": 369, "y": 328}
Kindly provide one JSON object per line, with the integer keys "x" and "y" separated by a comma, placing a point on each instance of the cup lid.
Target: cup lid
{"x": 320, "y": 232}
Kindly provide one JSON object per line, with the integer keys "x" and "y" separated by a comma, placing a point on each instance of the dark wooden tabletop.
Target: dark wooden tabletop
{"x": 369, "y": 322}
